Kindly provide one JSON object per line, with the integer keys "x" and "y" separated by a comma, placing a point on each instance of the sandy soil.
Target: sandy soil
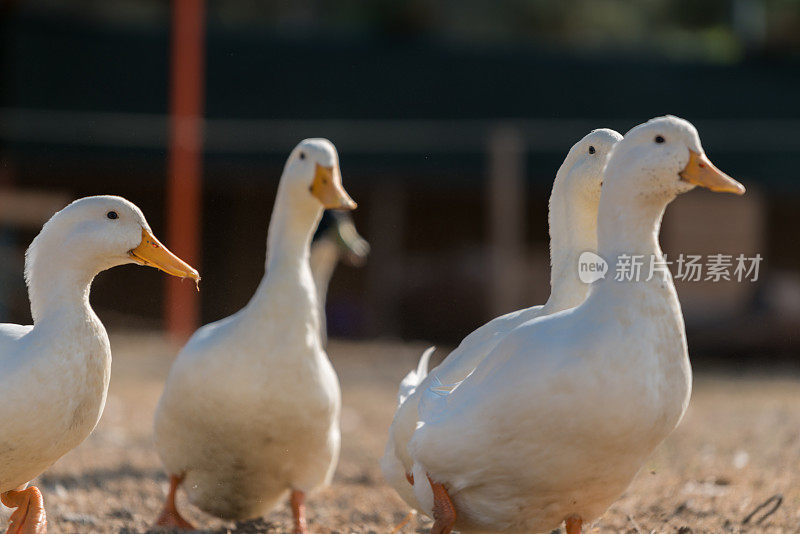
{"x": 738, "y": 447}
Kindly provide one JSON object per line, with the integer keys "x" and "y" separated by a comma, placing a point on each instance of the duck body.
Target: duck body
{"x": 557, "y": 419}
{"x": 273, "y": 396}
{"x": 250, "y": 410}
{"x": 573, "y": 221}
{"x": 55, "y": 376}
{"x": 578, "y": 456}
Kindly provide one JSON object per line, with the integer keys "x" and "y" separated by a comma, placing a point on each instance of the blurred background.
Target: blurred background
{"x": 451, "y": 119}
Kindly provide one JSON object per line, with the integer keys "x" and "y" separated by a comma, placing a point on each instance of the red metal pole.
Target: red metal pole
{"x": 184, "y": 185}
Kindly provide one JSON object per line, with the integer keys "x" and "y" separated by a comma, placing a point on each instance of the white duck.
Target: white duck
{"x": 555, "y": 422}
{"x": 573, "y": 230}
{"x": 54, "y": 374}
{"x": 250, "y": 410}
{"x": 335, "y": 240}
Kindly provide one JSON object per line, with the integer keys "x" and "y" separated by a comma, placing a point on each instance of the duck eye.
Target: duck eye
{"x": 591, "y": 150}
{"x": 112, "y": 215}
{"x": 302, "y": 155}
{"x": 659, "y": 139}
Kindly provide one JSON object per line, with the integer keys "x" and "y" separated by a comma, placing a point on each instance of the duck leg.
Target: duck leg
{"x": 444, "y": 513}
{"x": 29, "y": 516}
{"x": 573, "y": 524}
{"x": 299, "y": 511}
{"x": 170, "y": 517}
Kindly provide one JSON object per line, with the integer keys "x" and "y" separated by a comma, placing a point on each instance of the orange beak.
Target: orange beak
{"x": 151, "y": 252}
{"x": 700, "y": 171}
{"x": 327, "y": 187}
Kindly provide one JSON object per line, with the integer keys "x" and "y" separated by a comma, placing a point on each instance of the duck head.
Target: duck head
{"x": 101, "y": 232}
{"x": 663, "y": 158}
{"x": 312, "y": 176}
{"x": 582, "y": 170}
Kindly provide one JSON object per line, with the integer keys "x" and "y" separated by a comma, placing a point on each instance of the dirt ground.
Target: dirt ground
{"x": 737, "y": 447}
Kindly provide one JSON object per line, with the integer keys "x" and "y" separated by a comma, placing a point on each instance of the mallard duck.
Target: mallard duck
{"x": 335, "y": 240}
{"x": 54, "y": 374}
{"x": 250, "y": 411}
{"x": 573, "y": 230}
{"x": 556, "y": 420}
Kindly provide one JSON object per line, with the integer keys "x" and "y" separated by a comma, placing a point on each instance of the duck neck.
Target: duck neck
{"x": 573, "y": 230}
{"x": 58, "y": 284}
{"x": 288, "y": 242}
{"x": 324, "y": 258}
{"x": 629, "y": 224}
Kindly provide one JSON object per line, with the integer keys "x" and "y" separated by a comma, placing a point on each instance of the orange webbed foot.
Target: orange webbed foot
{"x": 170, "y": 517}
{"x": 173, "y": 520}
{"x": 29, "y": 516}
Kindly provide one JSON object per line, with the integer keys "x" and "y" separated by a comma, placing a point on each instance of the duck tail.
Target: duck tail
{"x": 424, "y": 360}
{"x": 415, "y": 376}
